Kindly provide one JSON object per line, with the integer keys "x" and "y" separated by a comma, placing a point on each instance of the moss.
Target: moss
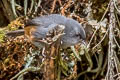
{"x": 2, "y": 35}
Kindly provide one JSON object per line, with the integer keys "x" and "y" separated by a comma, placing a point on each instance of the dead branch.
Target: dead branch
{"x": 53, "y": 6}
{"x": 112, "y": 67}
{"x": 65, "y": 7}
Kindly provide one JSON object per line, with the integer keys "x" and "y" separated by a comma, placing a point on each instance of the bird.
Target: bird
{"x": 38, "y": 28}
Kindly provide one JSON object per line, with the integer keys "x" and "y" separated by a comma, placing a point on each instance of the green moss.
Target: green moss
{"x": 11, "y": 28}
{"x": 2, "y": 35}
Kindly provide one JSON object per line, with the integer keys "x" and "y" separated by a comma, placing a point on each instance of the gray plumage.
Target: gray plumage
{"x": 74, "y": 32}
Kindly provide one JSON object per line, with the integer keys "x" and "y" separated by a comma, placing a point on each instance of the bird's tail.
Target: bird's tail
{"x": 15, "y": 33}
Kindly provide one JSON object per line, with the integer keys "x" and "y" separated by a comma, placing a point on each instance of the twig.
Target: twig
{"x": 31, "y": 6}
{"x": 80, "y": 74}
{"x": 104, "y": 65}
{"x": 36, "y": 8}
{"x": 75, "y": 53}
{"x": 89, "y": 60}
{"x": 98, "y": 69}
{"x": 13, "y": 7}
{"x": 26, "y": 70}
{"x": 43, "y": 10}
{"x": 116, "y": 6}
{"x": 99, "y": 65}
{"x": 98, "y": 26}
{"x": 102, "y": 39}
{"x": 91, "y": 38}
{"x": 79, "y": 19}
{"x": 116, "y": 43}
{"x": 65, "y": 7}
{"x": 111, "y": 52}
{"x": 118, "y": 78}
{"x": 116, "y": 75}
{"x": 18, "y": 5}
{"x": 60, "y": 2}
{"x": 53, "y": 6}
{"x": 25, "y": 5}
{"x": 117, "y": 19}
{"x": 116, "y": 63}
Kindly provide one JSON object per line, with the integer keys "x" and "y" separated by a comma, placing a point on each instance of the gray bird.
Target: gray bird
{"x": 37, "y": 28}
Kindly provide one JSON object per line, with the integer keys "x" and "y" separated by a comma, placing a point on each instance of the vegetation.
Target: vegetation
{"x": 100, "y": 59}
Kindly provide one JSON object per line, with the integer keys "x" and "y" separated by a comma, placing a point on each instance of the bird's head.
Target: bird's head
{"x": 74, "y": 33}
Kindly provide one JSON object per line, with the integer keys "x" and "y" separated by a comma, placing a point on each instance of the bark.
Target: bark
{"x": 7, "y": 10}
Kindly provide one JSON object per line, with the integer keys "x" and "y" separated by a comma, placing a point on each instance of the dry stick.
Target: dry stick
{"x": 117, "y": 63}
{"x": 31, "y": 6}
{"x": 43, "y": 10}
{"x": 59, "y": 73}
{"x": 116, "y": 75}
{"x": 39, "y": 2}
{"x": 118, "y": 30}
{"x": 26, "y": 70}
{"x": 99, "y": 62}
{"x": 89, "y": 60}
{"x": 75, "y": 53}
{"x": 81, "y": 74}
{"x": 66, "y": 6}
{"x": 60, "y": 2}
{"x": 54, "y": 3}
{"x": 116, "y": 6}
{"x": 98, "y": 27}
{"x": 117, "y": 19}
{"x": 98, "y": 69}
{"x": 96, "y": 59}
{"x": 21, "y": 77}
{"x": 79, "y": 19}
{"x": 18, "y": 5}
{"x": 57, "y": 66}
{"x": 53, "y": 6}
{"x": 102, "y": 39}
{"x": 13, "y": 7}
{"x": 117, "y": 43}
{"x": 118, "y": 78}
{"x": 50, "y": 68}
{"x": 50, "y": 65}
{"x": 111, "y": 52}
{"x": 94, "y": 70}
{"x": 25, "y": 5}
{"x": 104, "y": 66}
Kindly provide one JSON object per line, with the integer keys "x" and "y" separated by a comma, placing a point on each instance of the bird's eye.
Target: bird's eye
{"x": 77, "y": 35}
